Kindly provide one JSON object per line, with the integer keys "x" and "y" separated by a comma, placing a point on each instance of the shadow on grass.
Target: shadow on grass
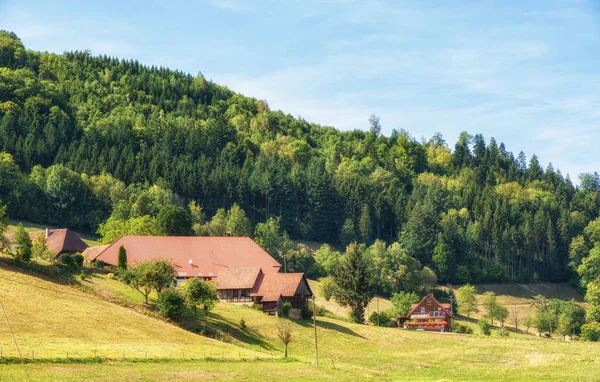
{"x": 50, "y": 272}
{"x": 218, "y": 327}
{"x": 329, "y": 326}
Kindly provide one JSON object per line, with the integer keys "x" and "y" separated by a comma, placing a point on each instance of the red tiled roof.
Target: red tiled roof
{"x": 237, "y": 278}
{"x": 271, "y": 297}
{"x": 285, "y": 284}
{"x": 92, "y": 252}
{"x": 208, "y": 254}
{"x": 59, "y": 241}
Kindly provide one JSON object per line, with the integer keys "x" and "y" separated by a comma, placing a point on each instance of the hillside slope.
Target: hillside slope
{"x": 52, "y": 319}
{"x": 85, "y": 140}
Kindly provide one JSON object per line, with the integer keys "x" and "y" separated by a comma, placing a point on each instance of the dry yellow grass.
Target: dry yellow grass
{"x": 52, "y": 319}
{"x": 59, "y": 318}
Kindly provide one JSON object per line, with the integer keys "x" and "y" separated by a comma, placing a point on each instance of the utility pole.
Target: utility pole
{"x": 377, "y": 311}
{"x": 315, "y": 326}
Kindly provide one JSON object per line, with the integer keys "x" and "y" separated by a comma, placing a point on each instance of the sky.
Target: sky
{"x": 524, "y": 72}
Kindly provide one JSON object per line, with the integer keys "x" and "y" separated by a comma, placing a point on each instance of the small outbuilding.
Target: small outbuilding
{"x": 58, "y": 241}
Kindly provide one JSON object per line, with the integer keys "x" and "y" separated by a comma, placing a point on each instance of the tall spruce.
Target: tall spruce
{"x": 355, "y": 281}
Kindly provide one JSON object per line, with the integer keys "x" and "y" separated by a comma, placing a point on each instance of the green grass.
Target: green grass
{"x": 60, "y": 318}
{"x": 90, "y": 239}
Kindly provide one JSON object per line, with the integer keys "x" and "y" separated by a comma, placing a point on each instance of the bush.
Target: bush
{"x": 286, "y": 308}
{"x": 384, "y": 319}
{"x": 100, "y": 264}
{"x": 111, "y": 276}
{"x": 170, "y": 303}
{"x": 352, "y": 317}
{"x": 67, "y": 260}
{"x": 591, "y": 331}
{"x": 504, "y": 332}
{"x": 85, "y": 274}
{"x": 243, "y": 324}
{"x": 307, "y": 312}
{"x": 257, "y": 307}
{"x": 78, "y": 259}
{"x": 484, "y": 327}
{"x": 460, "y": 328}
{"x": 327, "y": 286}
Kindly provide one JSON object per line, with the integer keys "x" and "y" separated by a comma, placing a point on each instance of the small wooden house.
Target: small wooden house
{"x": 430, "y": 315}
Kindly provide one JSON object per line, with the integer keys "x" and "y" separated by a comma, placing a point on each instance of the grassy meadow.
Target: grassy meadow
{"x": 104, "y": 318}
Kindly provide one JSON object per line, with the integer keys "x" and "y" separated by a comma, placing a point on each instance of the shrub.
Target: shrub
{"x": 85, "y": 274}
{"x": 170, "y": 303}
{"x": 504, "y": 332}
{"x": 100, "y": 264}
{"x": 78, "y": 259}
{"x": 67, "y": 260}
{"x": 460, "y": 328}
{"x": 352, "y": 317}
{"x": 384, "y": 319}
{"x": 111, "y": 276}
{"x": 591, "y": 331}
{"x": 257, "y": 307}
{"x": 243, "y": 324}
{"x": 286, "y": 308}
{"x": 484, "y": 327}
{"x": 321, "y": 310}
{"x": 307, "y": 312}
{"x": 327, "y": 286}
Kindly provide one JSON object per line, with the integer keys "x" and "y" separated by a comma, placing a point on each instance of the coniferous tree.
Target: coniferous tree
{"x": 354, "y": 279}
{"x": 122, "y": 258}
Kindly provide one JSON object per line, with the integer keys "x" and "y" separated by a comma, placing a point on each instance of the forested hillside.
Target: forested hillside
{"x": 86, "y": 139}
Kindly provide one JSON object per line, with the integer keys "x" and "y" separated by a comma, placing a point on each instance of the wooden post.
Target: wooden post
{"x": 315, "y": 326}
{"x": 377, "y": 311}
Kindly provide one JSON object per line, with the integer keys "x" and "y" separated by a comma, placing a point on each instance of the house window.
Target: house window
{"x": 422, "y": 309}
{"x": 428, "y": 301}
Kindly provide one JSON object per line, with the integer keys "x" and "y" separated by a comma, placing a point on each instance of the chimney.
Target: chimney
{"x": 47, "y": 233}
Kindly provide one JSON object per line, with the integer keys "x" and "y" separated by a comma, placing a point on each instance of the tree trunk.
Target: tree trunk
{"x": 285, "y": 351}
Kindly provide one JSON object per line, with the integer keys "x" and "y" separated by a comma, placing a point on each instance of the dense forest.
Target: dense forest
{"x": 103, "y": 144}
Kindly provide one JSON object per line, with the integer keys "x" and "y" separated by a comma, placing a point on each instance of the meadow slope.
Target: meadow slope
{"x": 52, "y": 319}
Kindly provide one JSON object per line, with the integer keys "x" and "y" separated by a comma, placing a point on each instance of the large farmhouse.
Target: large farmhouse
{"x": 430, "y": 315}
{"x": 242, "y": 270}
{"x": 58, "y": 241}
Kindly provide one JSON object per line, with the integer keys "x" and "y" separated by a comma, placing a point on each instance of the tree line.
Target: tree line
{"x": 104, "y": 144}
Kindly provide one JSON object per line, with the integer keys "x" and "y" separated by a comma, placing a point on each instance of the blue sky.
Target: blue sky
{"x": 524, "y": 72}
